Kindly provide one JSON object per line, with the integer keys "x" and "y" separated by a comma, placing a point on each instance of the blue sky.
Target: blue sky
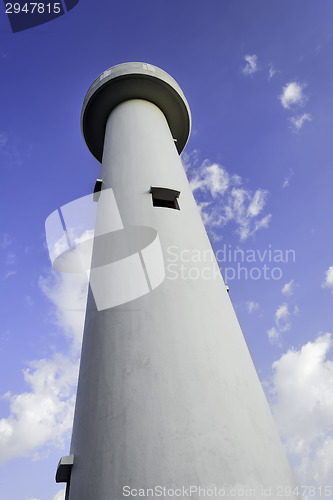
{"x": 258, "y": 77}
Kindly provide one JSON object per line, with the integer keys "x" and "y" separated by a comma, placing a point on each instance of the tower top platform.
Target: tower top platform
{"x": 133, "y": 80}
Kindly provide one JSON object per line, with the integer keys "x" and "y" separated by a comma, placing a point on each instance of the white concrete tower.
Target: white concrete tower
{"x": 168, "y": 395}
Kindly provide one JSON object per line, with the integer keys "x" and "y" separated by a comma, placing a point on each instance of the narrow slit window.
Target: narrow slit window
{"x": 97, "y": 189}
{"x": 164, "y": 197}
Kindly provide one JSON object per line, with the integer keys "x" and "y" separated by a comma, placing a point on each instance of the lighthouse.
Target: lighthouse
{"x": 168, "y": 401}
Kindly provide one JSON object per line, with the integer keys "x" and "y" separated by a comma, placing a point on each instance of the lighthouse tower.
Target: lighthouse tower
{"x": 168, "y": 400}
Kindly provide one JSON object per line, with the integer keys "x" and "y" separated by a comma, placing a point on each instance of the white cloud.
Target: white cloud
{"x": 257, "y": 203}
{"x": 6, "y": 241}
{"x": 68, "y": 293}
{"x": 297, "y": 122}
{"x": 43, "y": 416}
{"x": 273, "y": 334}
{"x": 303, "y": 408}
{"x": 271, "y": 71}
{"x": 252, "y": 306}
{"x": 281, "y": 318}
{"x": 292, "y": 94}
{"x": 245, "y": 207}
{"x": 282, "y": 312}
{"x": 287, "y": 179}
{"x": 251, "y": 64}
{"x": 9, "y": 274}
{"x": 213, "y": 178}
{"x": 296, "y": 311}
{"x": 60, "y": 495}
{"x": 288, "y": 288}
{"x": 10, "y": 259}
{"x": 328, "y": 283}
{"x": 222, "y": 198}
{"x": 190, "y": 160}
{"x": 263, "y": 223}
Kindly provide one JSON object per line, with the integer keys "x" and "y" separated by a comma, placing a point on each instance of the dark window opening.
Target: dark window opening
{"x": 97, "y": 189}
{"x": 164, "y": 197}
{"x": 165, "y": 203}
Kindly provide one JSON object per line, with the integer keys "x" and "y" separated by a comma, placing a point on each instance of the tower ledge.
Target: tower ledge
{"x": 127, "y": 81}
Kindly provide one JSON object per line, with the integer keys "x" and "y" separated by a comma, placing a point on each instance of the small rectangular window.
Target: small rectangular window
{"x": 164, "y": 197}
{"x": 97, "y": 189}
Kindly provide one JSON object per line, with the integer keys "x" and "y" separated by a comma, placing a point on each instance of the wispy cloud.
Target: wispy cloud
{"x": 4, "y": 336}
{"x": 297, "y": 122}
{"x": 6, "y": 241}
{"x": 9, "y": 274}
{"x": 251, "y": 65}
{"x": 252, "y": 306}
{"x": 287, "y": 179}
{"x": 303, "y": 408}
{"x": 281, "y": 318}
{"x": 10, "y": 259}
{"x": 222, "y": 198}
{"x": 271, "y": 71}
{"x": 60, "y": 495}
{"x": 292, "y": 94}
{"x": 257, "y": 203}
{"x": 68, "y": 294}
{"x": 328, "y": 282}
{"x": 273, "y": 334}
{"x": 29, "y": 300}
{"x": 3, "y": 140}
{"x": 288, "y": 288}
{"x": 215, "y": 179}
{"x": 10, "y": 151}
